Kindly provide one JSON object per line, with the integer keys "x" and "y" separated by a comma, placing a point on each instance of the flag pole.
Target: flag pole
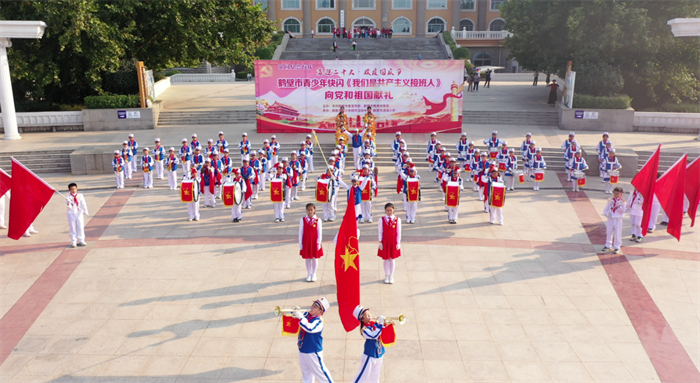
{"x": 325, "y": 161}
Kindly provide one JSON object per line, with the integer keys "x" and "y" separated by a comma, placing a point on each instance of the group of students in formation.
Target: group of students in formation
{"x": 608, "y": 165}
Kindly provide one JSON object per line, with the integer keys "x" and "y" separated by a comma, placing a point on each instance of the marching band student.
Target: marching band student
{"x": 304, "y": 168}
{"x": 294, "y": 171}
{"x": 601, "y": 158}
{"x": 483, "y": 182}
{"x": 537, "y": 163}
{"x": 255, "y": 182}
{"x": 444, "y": 170}
{"x": 236, "y": 210}
{"x": 171, "y": 162}
{"x": 462, "y": 148}
{"x": 634, "y": 207}
{"x": 303, "y": 149}
{"x": 601, "y": 147}
{"x": 245, "y": 147}
{"x": 453, "y": 212}
{"x": 366, "y": 206}
{"x": 502, "y": 155}
{"x": 357, "y": 147}
{"x": 264, "y": 169}
{"x": 218, "y": 167}
{"x": 369, "y": 145}
{"x": 577, "y": 163}
{"x": 367, "y": 161}
{"x": 401, "y": 161}
{"x": 185, "y": 155}
{"x": 528, "y": 156}
{"x": 118, "y": 166}
{"x": 279, "y": 206}
{"x": 329, "y": 207}
{"x": 76, "y": 208}
{"x": 568, "y": 155}
{"x": 275, "y": 150}
{"x": 430, "y": 148}
{"x": 511, "y": 166}
{"x": 396, "y": 145}
{"x": 496, "y": 213}
{"x": 614, "y": 211}
{"x": 567, "y": 146}
{"x": 192, "y": 207}
{"x": 526, "y": 144}
{"x": 310, "y": 343}
{"x": 268, "y": 153}
{"x": 248, "y": 175}
{"x": 371, "y": 363}
{"x": 210, "y": 150}
{"x": 195, "y": 143}
{"x": 481, "y": 168}
{"x": 289, "y": 171}
{"x": 226, "y": 163}
{"x": 222, "y": 144}
{"x": 342, "y": 150}
{"x": 158, "y": 157}
{"x": 208, "y": 184}
{"x": 473, "y": 168}
{"x": 310, "y": 241}
{"x": 389, "y": 241}
{"x": 127, "y": 157}
{"x": 494, "y": 142}
{"x": 357, "y": 197}
{"x": 610, "y": 163}
{"x": 310, "y": 154}
{"x": 134, "y": 147}
{"x": 467, "y": 154}
{"x": 197, "y": 158}
{"x": 147, "y": 169}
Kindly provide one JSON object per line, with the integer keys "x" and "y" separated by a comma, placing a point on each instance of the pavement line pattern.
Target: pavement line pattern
{"x": 24, "y": 313}
{"x": 670, "y": 360}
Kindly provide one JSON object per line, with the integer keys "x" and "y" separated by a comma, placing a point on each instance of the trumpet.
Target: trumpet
{"x": 279, "y": 311}
{"x": 401, "y": 319}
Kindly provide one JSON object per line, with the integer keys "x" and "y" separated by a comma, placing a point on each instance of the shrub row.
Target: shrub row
{"x": 600, "y": 102}
{"x": 112, "y": 101}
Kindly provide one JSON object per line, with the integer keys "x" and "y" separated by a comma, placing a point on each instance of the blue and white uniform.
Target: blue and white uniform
{"x": 310, "y": 344}
{"x": 537, "y": 163}
{"x": 576, "y": 164}
{"x": 511, "y": 166}
{"x": 245, "y": 147}
{"x": 185, "y": 156}
{"x": 610, "y": 164}
{"x": 134, "y": 147}
{"x": 118, "y": 166}
{"x": 158, "y": 157}
{"x": 371, "y": 363}
{"x": 310, "y": 155}
{"x": 171, "y": 162}
{"x": 147, "y": 169}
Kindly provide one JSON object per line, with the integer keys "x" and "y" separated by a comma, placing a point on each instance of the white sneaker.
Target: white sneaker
{"x": 386, "y": 279}
{"x": 501, "y": 223}
{"x": 308, "y": 278}
{"x": 189, "y": 219}
{"x": 32, "y": 231}
{"x": 313, "y": 277}
{"x": 196, "y": 219}
{"x": 81, "y": 244}
{"x": 72, "y": 245}
{"x": 370, "y": 220}
{"x": 391, "y": 279}
{"x": 26, "y": 235}
{"x": 3, "y": 227}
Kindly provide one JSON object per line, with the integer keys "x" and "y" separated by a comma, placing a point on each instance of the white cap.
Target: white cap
{"x": 220, "y": 133}
{"x": 285, "y": 159}
{"x": 494, "y": 132}
{"x": 538, "y": 149}
{"x": 244, "y": 134}
{"x": 157, "y": 140}
{"x": 605, "y": 134}
{"x": 572, "y": 133}
{"x": 145, "y": 149}
{"x": 302, "y": 143}
{"x": 608, "y": 143}
{"x": 511, "y": 150}
{"x": 194, "y": 134}
{"x": 308, "y": 136}
{"x": 273, "y": 136}
{"x": 331, "y": 159}
{"x": 409, "y": 159}
{"x": 259, "y": 151}
{"x": 433, "y": 134}
{"x": 207, "y": 160}
{"x": 471, "y": 142}
{"x": 398, "y": 133}
{"x": 505, "y": 142}
{"x": 532, "y": 142}
{"x": 131, "y": 135}
{"x": 528, "y": 134}
{"x": 341, "y": 138}
{"x": 268, "y": 141}
{"x": 368, "y": 152}
{"x": 358, "y": 312}
{"x": 210, "y": 140}
{"x": 457, "y": 170}
{"x": 226, "y": 150}
{"x": 125, "y": 142}
{"x": 406, "y": 153}
{"x": 197, "y": 147}
{"x": 323, "y": 302}
{"x": 476, "y": 150}
{"x": 412, "y": 169}
{"x": 453, "y": 160}
{"x": 448, "y": 154}
{"x": 484, "y": 153}
{"x": 116, "y": 152}
{"x": 354, "y": 178}
{"x": 609, "y": 151}
{"x": 464, "y": 134}
{"x": 184, "y": 140}
{"x": 293, "y": 152}
{"x": 365, "y": 167}
{"x": 171, "y": 149}
{"x": 337, "y": 146}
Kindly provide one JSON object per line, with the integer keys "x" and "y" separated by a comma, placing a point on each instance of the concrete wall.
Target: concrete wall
{"x": 609, "y": 120}
{"x": 107, "y": 119}
{"x": 627, "y": 158}
{"x": 88, "y": 160}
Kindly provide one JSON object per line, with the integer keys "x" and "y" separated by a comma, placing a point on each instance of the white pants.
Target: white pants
{"x": 76, "y": 227}
{"x": 366, "y": 207}
{"x": 148, "y": 180}
{"x": 2, "y": 210}
{"x": 133, "y": 163}
{"x": 496, "y": 214}
{"x": 654, "y": 216}
{"x": 312, "y": 366}
{"x": 342, "y": 165}
{"x": 247, "y": 203}
{"x": 575, "y": 187}
{"x": 334, "y": 203}
{"x": 159, "y": 169}
{"x": 128, "y": 170}
{"x": 475, "y": 185}
{"x": 120, "y": 179}
{"x": 357, "y": 156}
{"x": 452, "y": 213}
{"x": 328, "y": 211}
{"x": 370, "y": 368}
{"x": 609, "y": 187}
{"x": 636, "y": 223}
{"x": 255, "y": 191}
{"x": 303, "y": 181}
{"x": 411, "y": 209}
{"x": 185, "y": 166}
{"x": 172, "y": 179}
{"x": 279, "y": 210}
{"x": 288, "y": 197}
{"x": 193, "y": 210}
{"x": 536, "y": 185}
{"x": 208, "y": 197}
{"x": 510, "y": 182}
{"x": 236, "y": 212}
{"x": 310, "y": 158}
{"x": 274, "y": 160}
{"x": 613, "y": 236}
{"x": 263, "y": 179}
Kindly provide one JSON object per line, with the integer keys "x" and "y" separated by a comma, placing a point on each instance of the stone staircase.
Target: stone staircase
{"x": 513, "y": 117}
{"x": 666, "y": 160}
{"x": 367, "y": 49}
{"x": 40, "y": 162}
{"x": 214, "y": 117}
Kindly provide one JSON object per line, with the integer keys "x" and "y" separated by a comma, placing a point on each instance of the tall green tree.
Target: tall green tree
{"x": 85, "y": 39}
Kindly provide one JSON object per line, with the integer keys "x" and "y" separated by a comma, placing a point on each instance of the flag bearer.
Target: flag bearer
{"x": 76, "y": 208}
{"x": 310, "y": 241}
{"x": 171, "y": 162}
{"x": 118, "y": 166}
{"x": 310, "y": 343}
{"x": 371, "y": 363}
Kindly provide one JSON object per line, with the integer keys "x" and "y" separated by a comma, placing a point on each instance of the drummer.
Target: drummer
{"x": 577, "y": 165}
{"x": 236, "y": 209}
{"x": 537, "y": 165}
{"x": 191, "y": 175}
{"x": 493, "y": 143}
{"x": 496, "y": 213}
{"x": 611, "y": 164}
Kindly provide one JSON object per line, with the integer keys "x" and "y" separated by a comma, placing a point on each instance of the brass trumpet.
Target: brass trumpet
{"x": 279, "y": 311}
{"x": 401, "y": 319}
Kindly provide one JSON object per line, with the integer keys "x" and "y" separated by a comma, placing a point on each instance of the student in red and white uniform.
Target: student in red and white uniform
{"x": 158, "y": 157}
{"x": 474, "y": 171}
{"x": 237, "y": 210}
{"x": 185, "y": 155}
{"x": 453, "y": 212}
{"x": 634, "y": 207}
{"x": 192, "y": 207}
{"x": 147, "y": 169}
{"x": 210, "y": 150}
{"x": 294, "y": 174}
{"x": 208, "y": 183}
{"x": 614, "y": 211}
{"x": 330, "y": 207}
{"x": 496, "y": 213}
{"x": 275, "y": 150}
{"x": 389, "y": 241}
{"x": 257, "y": 167}
{"x": 310, "y": 241}
{"x": 76, "y": 208}
{"x": 248, "y": 175}
{"x": 245, "y": 147}
{"x": 198, "y": 159}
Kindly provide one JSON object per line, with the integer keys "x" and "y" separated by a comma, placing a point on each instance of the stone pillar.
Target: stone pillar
{"x": 308, "y": 23}
{"x": 456, "y": 14}
{"x": 7, "y": 102}
{"x": 272, "y": 10}
{"x": 419, "y": 26}
{"x": 386, "y": 7}
{"x": 482, "y": 7}
{"x": 343, "y": 6}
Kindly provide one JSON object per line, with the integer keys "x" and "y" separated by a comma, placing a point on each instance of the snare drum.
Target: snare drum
{"x": 521, "y": 176}
{"x": 578, "y": 174}
{"x": 539, "y": 175}
{"x": 614, "y": 176}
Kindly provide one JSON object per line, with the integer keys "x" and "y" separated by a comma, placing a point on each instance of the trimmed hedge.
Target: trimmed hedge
{"x": 461, "y": 53}
{"x": 599, "y": 102}
{"x": 113, "y": 101}
{"x": 448, "y": 39}
{"x": 680, "y": 108}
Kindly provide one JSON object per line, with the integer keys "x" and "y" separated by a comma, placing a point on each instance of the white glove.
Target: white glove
{"x": 381, "y": 247}
{"x": 319, "y": 247}
{"x": 398, "y": 246}
{"x": 380, "y": 320}
{"x": 297, "y": 314}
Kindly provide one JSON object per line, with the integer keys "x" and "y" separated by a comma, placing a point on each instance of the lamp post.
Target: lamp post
{"x": 13, "y": 30}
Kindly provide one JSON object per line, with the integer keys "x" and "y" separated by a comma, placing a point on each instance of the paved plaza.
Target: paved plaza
{"x": 155, "y": 298}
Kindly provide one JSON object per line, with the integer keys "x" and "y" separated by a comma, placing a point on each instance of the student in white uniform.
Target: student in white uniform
{"x": 634, "y": 207}
{"x": 75, "y": 202}
{"x": 372, "y": 357}
{"x": 310, "y": 343}
{"x": 614, "y": 211}
{"x": 147, "y": 169}
{"x": 171, "y": 162}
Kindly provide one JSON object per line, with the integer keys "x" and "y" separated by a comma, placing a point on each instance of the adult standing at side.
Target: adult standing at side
{"x": 553, "y": 93}
{"x": 535, "y": 78}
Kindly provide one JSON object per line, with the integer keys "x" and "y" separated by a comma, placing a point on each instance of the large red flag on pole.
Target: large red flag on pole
{"x": 670, "y": 190}
{"x": 29, "y": 196}
{"x": 645, "y": 182}
{"x": 5, "y": 182}
{"x": 347, "y": 267}
{"x": 692, "y": 188}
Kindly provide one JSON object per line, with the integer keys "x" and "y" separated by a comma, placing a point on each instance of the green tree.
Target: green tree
{"x": 85, "y": 39}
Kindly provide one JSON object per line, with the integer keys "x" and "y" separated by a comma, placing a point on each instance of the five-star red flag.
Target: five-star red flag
{"x": 645, "y": 182}
{"x": 5, "y": 182}
{"x": 692, "y": 188}
{"x": 347, "y": 267}
{"x": 29, "y": 196}
{"x": 670, "y": 188}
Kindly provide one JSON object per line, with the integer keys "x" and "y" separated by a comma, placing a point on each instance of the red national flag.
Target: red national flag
{"x": 347, "y": 267}
{"x": 645, "y": 182}
{"x": 670, "y": 188}
{"x": 692, "y": 188}
{"x": 5, "y": 182}
{"x": 29, "y": 196}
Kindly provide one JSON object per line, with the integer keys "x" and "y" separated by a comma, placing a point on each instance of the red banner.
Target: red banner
{"x": 388, "y": 337}
{"x": 413, "y": 190}
{"x": 452, "y": 195}
{"x": 276, "y": 191}
{"x": 228, "y": 195}
{"x": 581, "y": 182}
{"x": 539, "y": 177}
{"x": 290, "y": 326}
{"x": 5, "y": 182}
{"x": 497, "y": 195}
{"x": 322, "y": 191}
{"x": 29, "y": 196}
{"x": 187, "y": 191}
{"x": 367, "y": 192}
{"x": 347, "y": 268}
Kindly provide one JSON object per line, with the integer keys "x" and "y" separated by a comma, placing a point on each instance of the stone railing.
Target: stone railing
{"x": 480, "y": 35}
{"x": 280, "y": 48}
{"x": 445, "y": 46}
{"x": 213, "y": 77}
{"x": 48, "y": 119}
{"x": 161, "y": 86}
{"x": 667, "y": 122}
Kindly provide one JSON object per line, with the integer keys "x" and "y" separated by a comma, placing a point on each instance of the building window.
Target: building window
{"x": 436, "y": 25}
{"x": 325, "y": 4}
{"x": 496, "y": 4}
{"x": 482, "y": 59}
{"x": 466, "y": 5}
{"x": 263, "y": 3}
{"x": 292, "y": 25}
{"x": 291, "y": 4}
{"x": 437, "y": 4}
{"x": 363, "y": 22}
{"x": 402, "y": 26}
{"x": 325, "y": 25}
{"x": 363, "y": 4}
{"x": 497, "y": 25}
{"x": 466, "y": 24}
{"x": 401, "y": 4}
